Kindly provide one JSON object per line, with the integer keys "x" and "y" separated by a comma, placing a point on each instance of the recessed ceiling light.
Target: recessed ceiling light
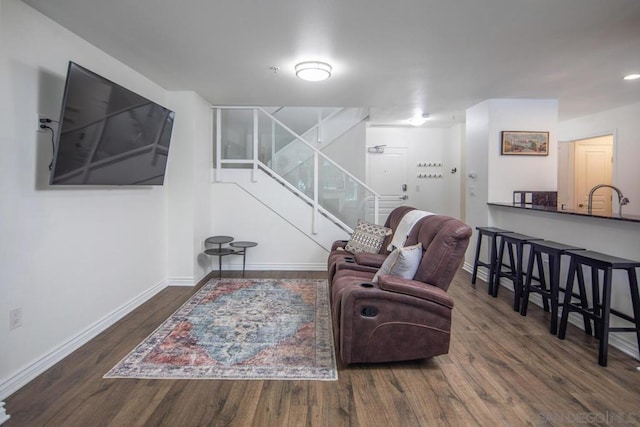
{"x": 632, "y": 77}
{"x": 313, "y": 71}
{"x": 418, "y": 120}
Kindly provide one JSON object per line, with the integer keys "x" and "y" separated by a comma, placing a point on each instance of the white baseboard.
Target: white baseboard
{"x": 624, "y": 342}
{"x": 3, "y": 415}
{"x": 29, "y": 372}
{"x": 270, "y": 267}
{"x": 285, "y": 267}
{"x": 468, "y": 267}
{"x": 181, "y": 281}
{"x": 186, "y": 281}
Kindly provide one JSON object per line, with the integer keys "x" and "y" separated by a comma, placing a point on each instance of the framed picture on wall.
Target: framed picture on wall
{"x": 525, "y": 143}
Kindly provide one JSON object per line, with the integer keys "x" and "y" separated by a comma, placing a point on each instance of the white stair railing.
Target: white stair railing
{"x": 246, "y": 138}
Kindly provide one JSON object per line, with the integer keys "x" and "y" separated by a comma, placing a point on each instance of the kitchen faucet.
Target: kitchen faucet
{"x": 621, "y": 199}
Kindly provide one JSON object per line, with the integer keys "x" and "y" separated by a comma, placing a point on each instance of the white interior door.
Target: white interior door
{"x": 593, "y": 166}
{"x": 387, "y": 176}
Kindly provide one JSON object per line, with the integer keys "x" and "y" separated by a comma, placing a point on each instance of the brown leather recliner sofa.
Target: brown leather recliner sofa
{"x": 400, "y": 319}
{"x": 338, "y": 254}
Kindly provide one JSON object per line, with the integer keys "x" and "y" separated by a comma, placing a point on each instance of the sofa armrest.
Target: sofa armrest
{"x": 344, "y": 265}
{"x": 339, "y": 244}
{"x": 371, "y": 260}
{"x": 414, "y": 288}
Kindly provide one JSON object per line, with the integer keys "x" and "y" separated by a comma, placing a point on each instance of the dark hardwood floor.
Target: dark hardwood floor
{"x": 502, "y": 369}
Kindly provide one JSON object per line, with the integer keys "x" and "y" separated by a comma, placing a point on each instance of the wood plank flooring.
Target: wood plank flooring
{"x": 502, "y": 370}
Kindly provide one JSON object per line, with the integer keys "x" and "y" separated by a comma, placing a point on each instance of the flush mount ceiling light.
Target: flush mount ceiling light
{"x": 418, "y": 120}
{"x": 313, "y": 71}
{"x": 632, "y": 77}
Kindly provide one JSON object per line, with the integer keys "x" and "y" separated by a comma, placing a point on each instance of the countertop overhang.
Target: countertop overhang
{"x": 553, "y": 209}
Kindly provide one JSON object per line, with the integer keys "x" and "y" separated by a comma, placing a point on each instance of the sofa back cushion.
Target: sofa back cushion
{"x": 392, "y": 222}
{"x": 444, "y": 241}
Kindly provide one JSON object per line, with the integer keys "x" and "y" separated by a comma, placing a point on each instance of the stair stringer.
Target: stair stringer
{"x": 286, "y": 204}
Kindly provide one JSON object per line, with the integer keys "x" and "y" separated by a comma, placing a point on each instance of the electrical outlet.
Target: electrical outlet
{"x": 15, "y": 318}
{"x": 41, "y": 119}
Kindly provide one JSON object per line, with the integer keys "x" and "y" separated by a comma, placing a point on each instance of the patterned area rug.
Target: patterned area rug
{"x": 241, "y": 329}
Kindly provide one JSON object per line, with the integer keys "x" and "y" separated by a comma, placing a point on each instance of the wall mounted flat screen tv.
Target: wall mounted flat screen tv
{"x": 109, "y": 135}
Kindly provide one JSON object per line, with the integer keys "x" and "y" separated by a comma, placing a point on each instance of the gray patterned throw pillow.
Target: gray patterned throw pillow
{"x": 367, "y": 237}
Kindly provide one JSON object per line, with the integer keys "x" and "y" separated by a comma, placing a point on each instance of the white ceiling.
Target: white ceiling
{"x": 393, "y": 56}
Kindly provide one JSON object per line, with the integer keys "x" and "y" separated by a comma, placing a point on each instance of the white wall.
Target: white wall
{"x": 189, "y": 209}
{"x": 426, "y": 145}
{"x": 477, "y": 166}
{"x": 180, "y": 207}
{"x": 624, "y": 123}
{"x": 509, "y": 173}
{"x": 72, "y": 258}
{"x": 497, "y": 176}
{"x": 280, "y": 245}
{"x": 452, "y": 158}
{"x": 202, "y": 164}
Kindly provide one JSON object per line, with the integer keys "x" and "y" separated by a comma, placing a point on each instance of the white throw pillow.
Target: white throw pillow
{"x": 402, "y": 262}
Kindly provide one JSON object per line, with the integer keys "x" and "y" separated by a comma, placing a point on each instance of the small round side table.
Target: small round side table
{"x": 243, "y": 251}
{"x": 219, "y": 251}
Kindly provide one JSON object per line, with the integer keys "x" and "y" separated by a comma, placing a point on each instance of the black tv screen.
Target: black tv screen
{"x": 109, "y": 135}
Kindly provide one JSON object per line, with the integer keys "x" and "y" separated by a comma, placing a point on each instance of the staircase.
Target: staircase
{"x": 297, "y": 211}
{"x": 320, "y": 134}
{"x": 282, "y": 165}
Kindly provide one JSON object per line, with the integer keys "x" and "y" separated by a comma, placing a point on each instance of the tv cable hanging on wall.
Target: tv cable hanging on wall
{"x": 43, "y": 125}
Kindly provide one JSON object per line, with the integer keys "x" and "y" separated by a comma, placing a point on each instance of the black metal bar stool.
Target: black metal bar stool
{"x": 550, "y": 296}
{"x": 601, "y": 309}
{"x": 512, "y": 241}
{"x": 493, "y": 233}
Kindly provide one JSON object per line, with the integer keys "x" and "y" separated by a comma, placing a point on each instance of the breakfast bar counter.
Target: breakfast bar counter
{"x": 613, "y": 235}
{"x": 553, "y": 209}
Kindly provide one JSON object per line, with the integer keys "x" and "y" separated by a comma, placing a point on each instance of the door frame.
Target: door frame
{"x": 384, "y": 212}
{"x": 614, "y": 170}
